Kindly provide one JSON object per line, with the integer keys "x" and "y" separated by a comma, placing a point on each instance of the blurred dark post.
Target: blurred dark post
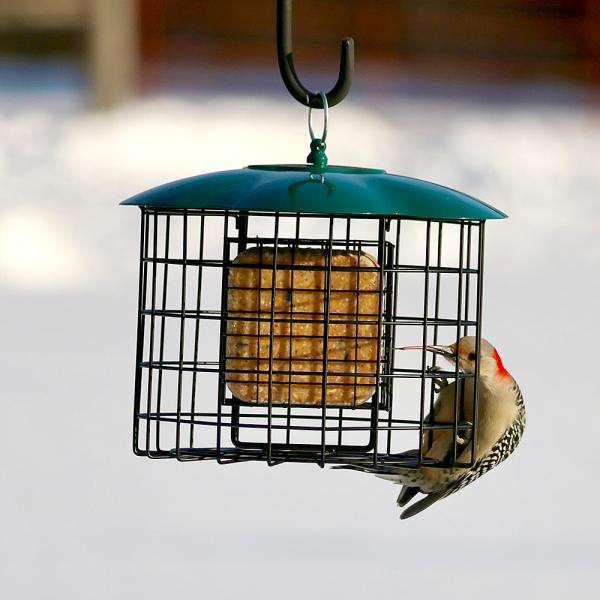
{"x": 592, "y": 41}
{"x": 114, "y": 51}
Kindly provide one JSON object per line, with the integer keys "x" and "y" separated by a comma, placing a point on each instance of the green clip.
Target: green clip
{"x": 317, "y": 154}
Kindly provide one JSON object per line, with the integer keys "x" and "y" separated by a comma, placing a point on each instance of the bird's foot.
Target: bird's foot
{"x": 467, "y": 435}
{"x": 439, "y": 383}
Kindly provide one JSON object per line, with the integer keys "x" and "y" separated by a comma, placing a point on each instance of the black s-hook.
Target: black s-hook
{"x": 285, "y": 56}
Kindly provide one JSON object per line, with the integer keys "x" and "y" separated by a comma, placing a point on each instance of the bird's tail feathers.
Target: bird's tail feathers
{"x": 406, "y": 495}
{"x": 379, "y": 471}
{"x": 389, "y": 473}
{"x": 420, "y": 505}
{"x": 383, "y": 471}
{"x": 351, "y": 468}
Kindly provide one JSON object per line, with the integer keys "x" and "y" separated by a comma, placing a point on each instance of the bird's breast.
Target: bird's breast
{"x": 496, "y": 413}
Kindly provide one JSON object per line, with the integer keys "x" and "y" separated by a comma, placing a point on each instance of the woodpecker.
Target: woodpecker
{"x": 500, "y": 425}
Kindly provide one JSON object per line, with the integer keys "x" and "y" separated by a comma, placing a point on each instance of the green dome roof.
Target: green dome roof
{"x": 307, "y": 189}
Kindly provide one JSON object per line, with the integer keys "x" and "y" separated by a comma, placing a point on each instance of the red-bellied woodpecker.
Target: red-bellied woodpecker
{"x": 500, "y": 425}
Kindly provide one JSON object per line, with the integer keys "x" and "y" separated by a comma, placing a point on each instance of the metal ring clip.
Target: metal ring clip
{"x": 325, "y": 119}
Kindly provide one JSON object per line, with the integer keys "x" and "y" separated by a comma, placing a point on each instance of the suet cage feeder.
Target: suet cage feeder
{"x": 274, "y": 302}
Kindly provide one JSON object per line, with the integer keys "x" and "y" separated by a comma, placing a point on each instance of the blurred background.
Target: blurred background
{"x": 123, "y": 48}
{"x": 101, "y": 99}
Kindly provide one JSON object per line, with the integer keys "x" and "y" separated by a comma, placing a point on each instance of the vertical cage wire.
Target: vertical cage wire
{"x": 184, "y": 406}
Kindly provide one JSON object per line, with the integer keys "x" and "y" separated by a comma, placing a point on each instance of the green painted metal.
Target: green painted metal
{"x": 317, "y": 156}
{"x": 310, "y": 189}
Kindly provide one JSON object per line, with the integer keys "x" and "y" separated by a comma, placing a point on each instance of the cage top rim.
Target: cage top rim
{"x": 352, "y": 191}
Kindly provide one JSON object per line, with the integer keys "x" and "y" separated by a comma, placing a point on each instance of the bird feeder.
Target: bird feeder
{"x": 274, "y": 301}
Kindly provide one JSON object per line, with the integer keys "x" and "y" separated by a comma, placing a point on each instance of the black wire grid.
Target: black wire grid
{"x": 429, "y": 291}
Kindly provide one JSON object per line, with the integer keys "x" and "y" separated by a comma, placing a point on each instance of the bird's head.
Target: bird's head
{"x": 465, "y": 352}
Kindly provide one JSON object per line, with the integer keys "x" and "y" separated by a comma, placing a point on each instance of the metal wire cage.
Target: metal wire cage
{"x": 277, "y": 335}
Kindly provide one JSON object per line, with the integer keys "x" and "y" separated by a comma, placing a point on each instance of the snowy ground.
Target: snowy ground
{"x": 83, "y": 518}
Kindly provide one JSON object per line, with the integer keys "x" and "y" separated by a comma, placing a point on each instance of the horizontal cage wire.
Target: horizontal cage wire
{"x": 279, "y": 337}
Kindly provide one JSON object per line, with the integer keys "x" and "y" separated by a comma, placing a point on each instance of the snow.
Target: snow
{"x": 84, "y": 518}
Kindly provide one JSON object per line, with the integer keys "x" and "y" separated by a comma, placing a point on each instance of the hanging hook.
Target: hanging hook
{"x": 285, "y": 56}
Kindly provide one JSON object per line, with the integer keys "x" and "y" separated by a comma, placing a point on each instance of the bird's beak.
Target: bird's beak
{"x": 445, "y": 351}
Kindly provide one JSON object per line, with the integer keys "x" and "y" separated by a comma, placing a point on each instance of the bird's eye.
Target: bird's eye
{"x": 471, "y": 355}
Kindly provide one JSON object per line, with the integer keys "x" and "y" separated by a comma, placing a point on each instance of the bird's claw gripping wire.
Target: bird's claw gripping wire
{"x": 467, "y": 435}
{"x": 439, "y": 383}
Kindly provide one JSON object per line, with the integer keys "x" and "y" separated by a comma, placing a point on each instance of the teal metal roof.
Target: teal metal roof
{"x": 308, "y": 189}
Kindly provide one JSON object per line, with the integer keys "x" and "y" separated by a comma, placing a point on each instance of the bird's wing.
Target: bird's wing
{"x": 420, "y": 505}
{"x": 501, "y": 450}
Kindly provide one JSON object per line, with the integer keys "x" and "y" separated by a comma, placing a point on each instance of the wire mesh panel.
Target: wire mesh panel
{"x": 278, "y": 337}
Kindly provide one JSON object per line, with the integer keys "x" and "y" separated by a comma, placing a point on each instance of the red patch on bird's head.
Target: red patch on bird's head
{"x": 502, "y": 372}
